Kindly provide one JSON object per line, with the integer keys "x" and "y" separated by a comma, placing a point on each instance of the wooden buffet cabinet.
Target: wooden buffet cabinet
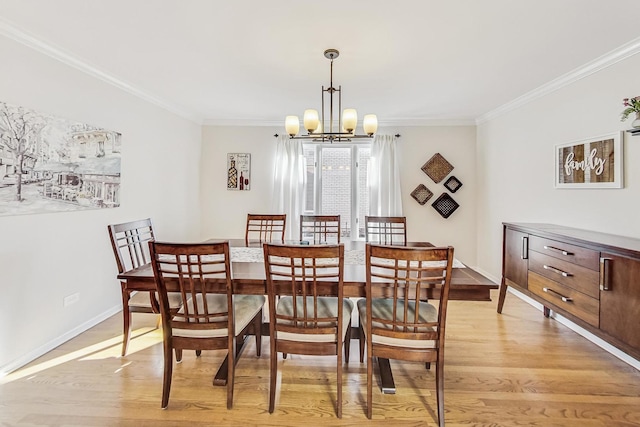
{"x": 591, "y": 278}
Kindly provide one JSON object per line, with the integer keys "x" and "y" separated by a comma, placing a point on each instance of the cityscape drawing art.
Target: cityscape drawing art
{"x": 50, "y": 164}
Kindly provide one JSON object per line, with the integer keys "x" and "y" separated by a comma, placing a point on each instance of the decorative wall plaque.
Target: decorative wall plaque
{"x": 238, "y": 171}
{"x": 437, "y": 168}
{"x": 445, "y": 205}
{"x": 453, "y": 184}
{"x": 590, "y": 163}
{"x": 421, "y": 194}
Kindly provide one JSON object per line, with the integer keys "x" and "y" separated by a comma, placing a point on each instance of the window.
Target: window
{"x": 336, "y": 184}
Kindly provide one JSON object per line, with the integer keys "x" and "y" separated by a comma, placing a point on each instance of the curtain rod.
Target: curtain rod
{"x": 397, "y": 135}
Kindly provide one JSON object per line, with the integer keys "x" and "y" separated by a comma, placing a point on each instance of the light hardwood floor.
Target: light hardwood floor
{"x": 514, "y": 369}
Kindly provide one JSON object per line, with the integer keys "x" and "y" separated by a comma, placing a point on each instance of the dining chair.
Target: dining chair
{"x": 211, "y": 316}
{"x": 265, "y": 228}
{"x": 386, "y": 230}
{"x": 129, "y": 241}
{"x": 320, "y": 228}
{"x": 317, "y": 321}
{"x": 405, "y": 325}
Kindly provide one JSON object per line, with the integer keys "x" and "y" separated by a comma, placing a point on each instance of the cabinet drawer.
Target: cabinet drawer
{"x": 565, "y": 298}
{"x": 572, "y": 275}
{"x": 575, "y": 254}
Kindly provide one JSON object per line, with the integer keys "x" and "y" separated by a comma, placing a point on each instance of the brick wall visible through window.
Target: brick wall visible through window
{"x": 336, "y": 179}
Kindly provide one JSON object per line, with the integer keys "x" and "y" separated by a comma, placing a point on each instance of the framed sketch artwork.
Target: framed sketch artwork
{"x": 590, "y": 163}
{"x": 52, "y": 164}
{"x": 239, "y": 171}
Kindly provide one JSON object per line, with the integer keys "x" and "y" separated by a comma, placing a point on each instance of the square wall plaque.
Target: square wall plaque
{"x": 421, "y": 194}
{"x": 437, "y": 168}
{"x": 445, "y": 205}
{"x": 453, "y": 184}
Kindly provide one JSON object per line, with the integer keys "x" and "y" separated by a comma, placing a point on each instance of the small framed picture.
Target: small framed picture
{"x": 590, "y": 163}
{"x": 239, "y": 171}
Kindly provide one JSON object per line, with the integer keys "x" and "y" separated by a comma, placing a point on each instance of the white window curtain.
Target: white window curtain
{"x": 288, "y": 183}
{"x": 385, "y": 197}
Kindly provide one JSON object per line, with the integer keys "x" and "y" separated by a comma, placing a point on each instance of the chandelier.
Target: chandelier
{"x": 316, "y": 126}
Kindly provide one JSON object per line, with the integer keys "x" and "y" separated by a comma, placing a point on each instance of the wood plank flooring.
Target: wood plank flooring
{"x": 514, "y": 369}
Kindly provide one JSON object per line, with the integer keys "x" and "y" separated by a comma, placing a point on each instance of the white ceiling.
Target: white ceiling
{"x": 255, "y": 61}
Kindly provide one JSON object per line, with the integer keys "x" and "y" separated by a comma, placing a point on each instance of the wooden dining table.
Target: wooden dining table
{"x": 248, "y": 276}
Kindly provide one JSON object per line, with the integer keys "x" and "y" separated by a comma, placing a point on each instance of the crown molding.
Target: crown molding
{"x": 382, "y": 123}
{"x": 621, "y": 53}
{"x": 21, "y": 36}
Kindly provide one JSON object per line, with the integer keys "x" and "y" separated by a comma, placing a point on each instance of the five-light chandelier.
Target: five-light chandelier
{"x": 316, "y": 126}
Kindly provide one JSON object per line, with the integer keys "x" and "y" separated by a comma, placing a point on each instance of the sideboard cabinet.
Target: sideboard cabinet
{"x": 591, "y": 278}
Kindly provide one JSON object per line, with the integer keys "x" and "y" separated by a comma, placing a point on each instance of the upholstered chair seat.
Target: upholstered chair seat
{"x": 245, "y": 308}
{"x": 382, "y": 308}
{"x": 327, "y": 308}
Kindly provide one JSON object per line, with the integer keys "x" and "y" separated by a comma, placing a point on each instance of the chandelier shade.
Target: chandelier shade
{"x": 331, "y": 125}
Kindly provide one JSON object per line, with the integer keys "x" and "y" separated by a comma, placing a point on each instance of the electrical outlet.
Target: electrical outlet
{"x": 71, "y": 299}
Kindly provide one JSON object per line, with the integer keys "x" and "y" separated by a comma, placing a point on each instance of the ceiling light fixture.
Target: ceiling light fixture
{"x": 316, "y": 126}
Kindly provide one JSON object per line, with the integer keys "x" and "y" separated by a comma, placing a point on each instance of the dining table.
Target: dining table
{"x": 248, "y": 277}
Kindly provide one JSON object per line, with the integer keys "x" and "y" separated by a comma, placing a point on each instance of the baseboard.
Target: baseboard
{"x": 581, "y": 331}
{"x": 43, "y": 349}
{"x": 486, "y": 274}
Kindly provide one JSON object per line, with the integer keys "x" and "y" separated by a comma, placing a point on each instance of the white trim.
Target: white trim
{"x": 381, "y": 124}
{"x": 47, "y": 347}
{"x": 581, "y": 331}
{"x": 13, "y": 32}
{"x": 485, "y": 274}
{"x": 621, "y": 53}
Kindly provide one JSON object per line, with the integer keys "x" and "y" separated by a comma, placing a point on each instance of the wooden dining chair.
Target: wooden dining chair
{"x": 265, "y": 228}
{"x": 318, "y": 320}
{"x": 211, "y": 316}
{"x": 386, "y": 230}
{"x": 404, "y": 325}
{"x": 320, "y": 228}
{"x": 129, "y": 241}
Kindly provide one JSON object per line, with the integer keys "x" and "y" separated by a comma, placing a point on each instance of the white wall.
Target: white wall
{"x": 224, "y": 212}
{"x": 45, "y": 257}
{"x": 516, "y": 162}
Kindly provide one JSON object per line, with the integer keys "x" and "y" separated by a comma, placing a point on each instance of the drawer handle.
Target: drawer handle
{"x": 562, "y": 251}
{"x": 557, "y": 270}
{"x": 562, "y": 297}
{"x": 525, "y": 248}
{"x": 605, "y": 274}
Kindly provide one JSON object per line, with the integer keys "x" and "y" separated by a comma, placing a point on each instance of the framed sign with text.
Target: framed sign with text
{"x": 590, "y": 163}
{"x": 239, "y": 171}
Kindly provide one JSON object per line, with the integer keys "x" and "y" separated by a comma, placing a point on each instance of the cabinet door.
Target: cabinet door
{"x": 516, "y": 254}
{"x": 620, "y": 298}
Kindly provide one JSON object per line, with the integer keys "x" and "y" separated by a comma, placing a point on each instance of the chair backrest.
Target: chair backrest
{"x": 199, "y": 270}
{"x": 386, "y": 230}
{"x": 409, "y": 276}
{"x": 265, "y": 228}
{"x": 129, "y": 241}
{"x": 309, "y": 273}
{"x": 320, "y": 228}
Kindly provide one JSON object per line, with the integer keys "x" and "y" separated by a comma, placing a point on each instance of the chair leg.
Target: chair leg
{"x": 231, "y": 366}
{"x": 168, "y": 371}
{"x": 362, "y": 339}
{"x": 198, "y": 353}
{"x": 440, "y": 390}
{"x": 369, "y": 385}
{"x": 427, "y": 365}
{"x": 347, "y": 344}
{"x": 339, "y": 376}
{"x": 273, "y": 374}
{"x": 257, "y": 328}
{"x": 126, "y": 322}
{"x": 178, "y": 355}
